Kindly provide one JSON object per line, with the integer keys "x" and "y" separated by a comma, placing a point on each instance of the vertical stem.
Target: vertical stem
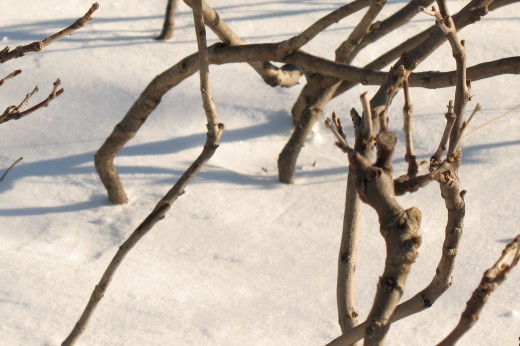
{"x": 169, "y": 21}
{"x": 162, "y": 207}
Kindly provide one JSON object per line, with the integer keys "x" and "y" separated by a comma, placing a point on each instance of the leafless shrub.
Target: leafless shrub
{"x": 370, "y": 182}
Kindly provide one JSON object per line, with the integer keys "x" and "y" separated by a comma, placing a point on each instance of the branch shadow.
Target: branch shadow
{"x": 278, "y": 123}
{"x": 75, "y": 164}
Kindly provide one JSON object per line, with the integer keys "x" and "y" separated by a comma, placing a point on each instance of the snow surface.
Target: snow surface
{"x": 240, "y": 259}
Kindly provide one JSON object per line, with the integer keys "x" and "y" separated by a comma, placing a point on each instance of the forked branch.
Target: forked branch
{"x": 15, "y": 112}
{"x": 399, "y": 227}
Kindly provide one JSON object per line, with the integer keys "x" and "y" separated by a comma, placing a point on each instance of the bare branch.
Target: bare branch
{"x": 419, "y": 48}
{"x": 493, "y": 277}
{"x": 399, "y": 18}
{"x": 285, "y": 76}
{"x": 7, "y": 54}
{"x": 169, "y": 21}
{"x": 466, "y": 133}
{"x": 14, "y": 112}
{"x": 9, "y": 168}
{"x": 217, "y": 54}
{"x": 337, "y": 130}
{"x": 214, "y": 128}
{"x": 298, "y": 41}
{"x": 158, "y": 213}
{"x": 443, "y": 145}
{"x": 9, "y": 76}
{"x": 434, "y": 80}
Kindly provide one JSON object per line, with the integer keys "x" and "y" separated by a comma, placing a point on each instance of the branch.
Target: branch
{"x": 466, "y": 133}
{"x": 337, "y": 130}
{"x": 14, "y": 112}
{"x": 9, "y": 168}
{"x": 158, "y": 213}
{"x": 434, "y": 80}
{"x": 419, "y": 47}
{"x": 9, "y": 76}
{"x": 169, "y": 21}
{"x": 368, "y": 33}
{"x": 493, "y": 277}
{"x": 285, "y": 76}
{"x": 399, "y": 18}
{"x": 315, "y": 95}
{"x": 7, "y": 54}
{"x": 217, "y": 54}
{"x": 288, "y": 46}
{"x": 399, "y": 227}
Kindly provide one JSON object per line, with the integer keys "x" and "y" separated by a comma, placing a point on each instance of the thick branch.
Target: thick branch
{"x": 7, "y": 54}
{"x": 420, "y": 46}
{"x": 285, "y": 76}
{"x": 160, "y": 210}
{"x": 472, "y": 12}
{"x": 315, "y": 95}
{"x": 169, "y": 21}
{"x": 217, "y": 54}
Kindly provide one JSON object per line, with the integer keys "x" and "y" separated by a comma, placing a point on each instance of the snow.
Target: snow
{"x": 240, "y": 259}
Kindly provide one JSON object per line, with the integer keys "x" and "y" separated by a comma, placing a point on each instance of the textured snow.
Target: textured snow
{"x": 240, "y": 259}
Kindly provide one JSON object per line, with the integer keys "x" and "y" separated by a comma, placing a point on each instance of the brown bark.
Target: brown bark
{"x": 493, "y": 277}
{"x": 169, "y": 21}
{"x": 214, "y": 134}
{"x": 7, "y": 54}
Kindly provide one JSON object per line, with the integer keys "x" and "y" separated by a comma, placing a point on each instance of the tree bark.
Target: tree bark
{"x": 169, "y": 21}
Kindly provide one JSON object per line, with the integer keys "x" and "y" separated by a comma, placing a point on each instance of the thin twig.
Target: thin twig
{"x": 493, "y": 277}
{"x": 492, "y": 120}
{"x": 443, "y": 144}
{"x": 158, "y": 213}
{"x": 14, "y": 112}
{"x": 7, "y": 54}
{"x": 308, "y": 34}
{"x": 337, "y": 130}
{"x": 9, "y": 76}
{"x": 10, "y": 167}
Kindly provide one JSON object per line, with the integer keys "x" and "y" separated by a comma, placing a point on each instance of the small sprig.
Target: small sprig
{"x": 445, "y": 23}
{"x": 15, "y": 113}
{"x": 8, "y": 54}
{"x": 337, "y": 129}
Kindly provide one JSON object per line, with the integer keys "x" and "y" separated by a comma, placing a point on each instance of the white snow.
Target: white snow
{"x": 240, "y": 259}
